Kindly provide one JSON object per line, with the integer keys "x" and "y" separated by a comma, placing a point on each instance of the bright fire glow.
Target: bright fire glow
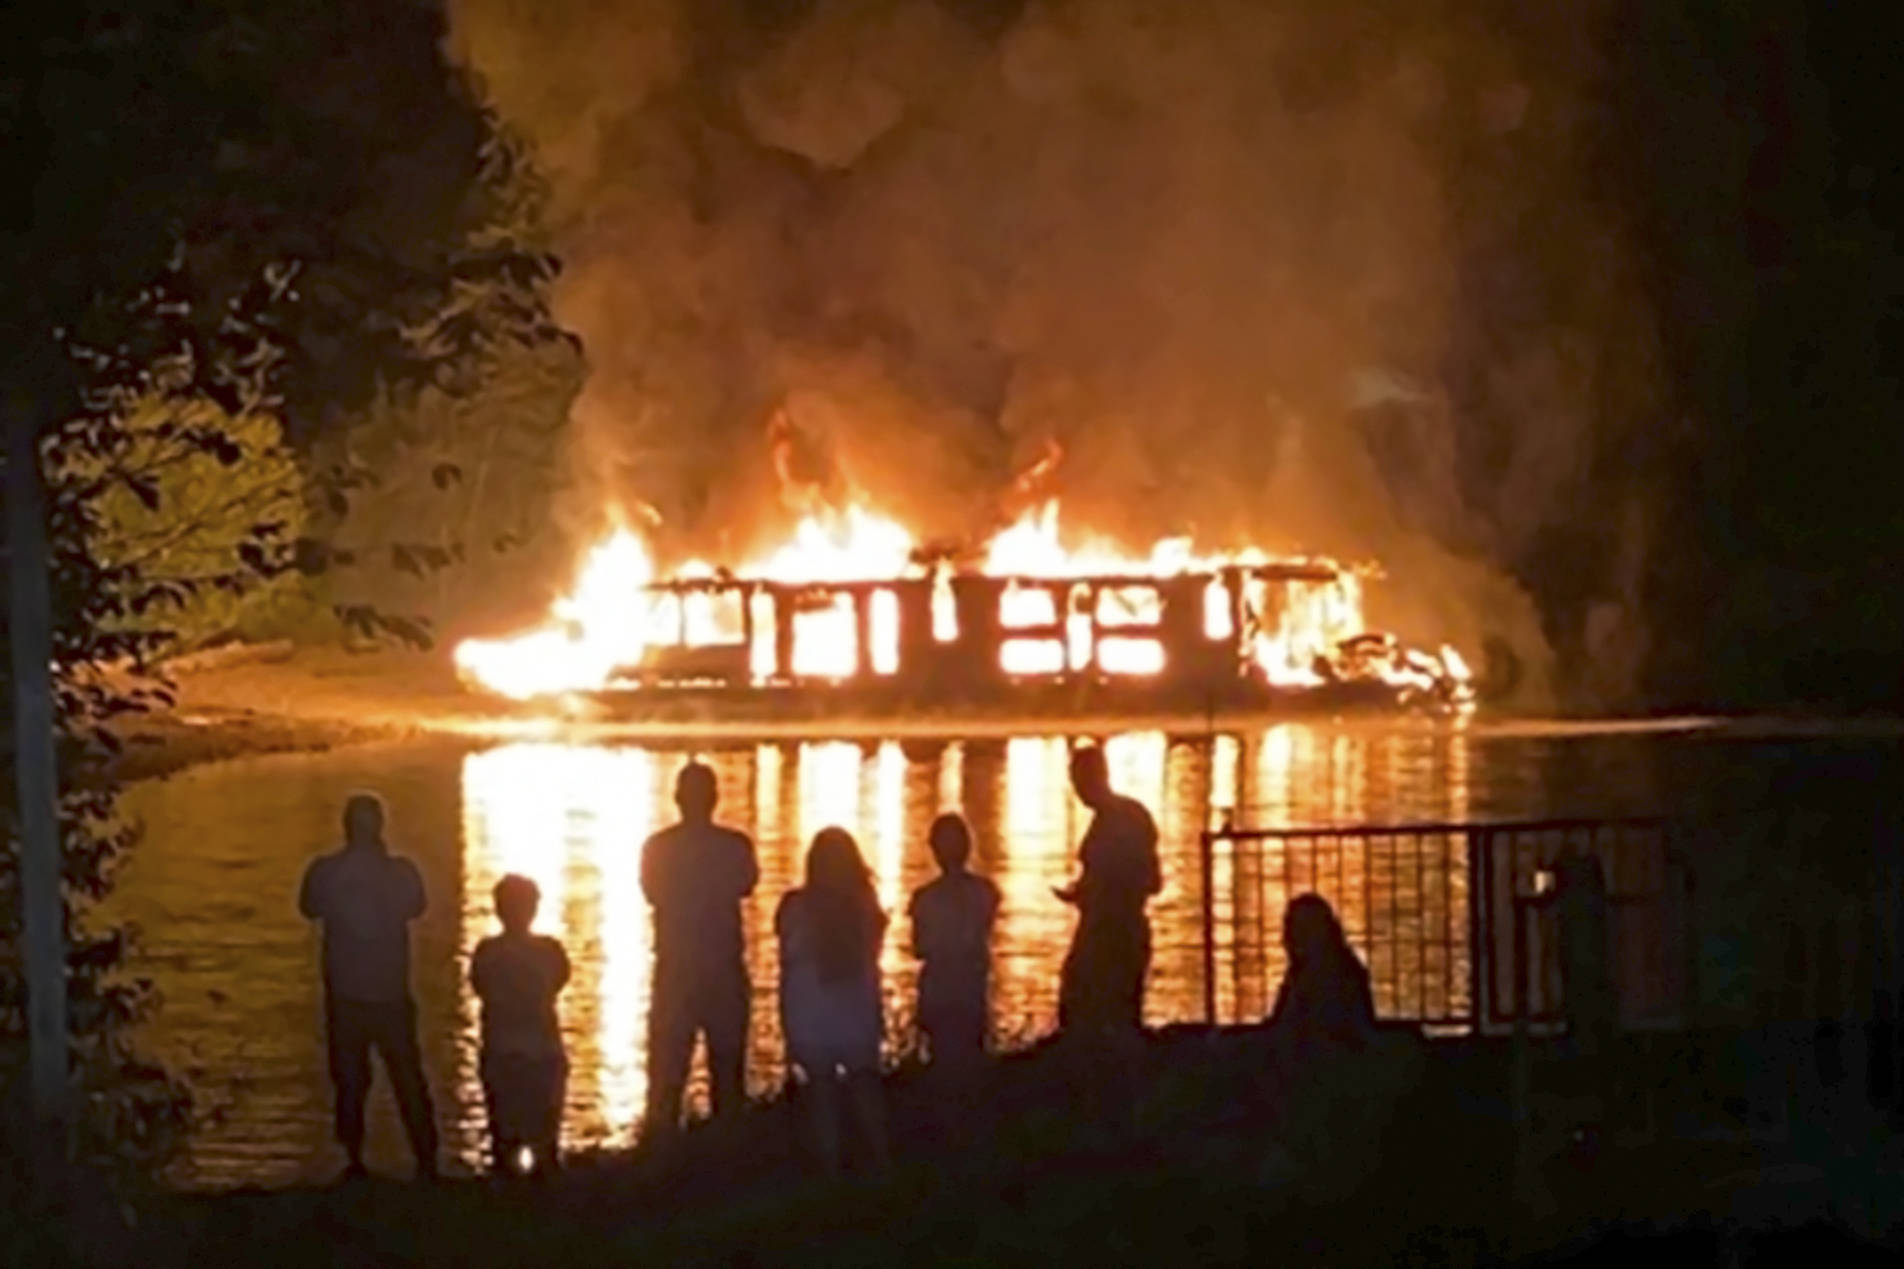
{"x": 600, "y": 625}
{"x": 1081, "y": 607}
{"x": 1285, "y": 644}
{"x": 854, "y": 546}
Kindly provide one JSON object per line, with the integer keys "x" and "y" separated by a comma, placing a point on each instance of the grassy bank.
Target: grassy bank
{"x": 1408, "y": 1158}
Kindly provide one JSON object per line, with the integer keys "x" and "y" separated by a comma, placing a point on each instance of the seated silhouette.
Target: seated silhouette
{"x": 1324, "y": 1001}
{"x": 1333, "y": 1081}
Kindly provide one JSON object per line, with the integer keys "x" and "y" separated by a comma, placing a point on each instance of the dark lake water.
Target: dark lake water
{"x": 212, "y": 886}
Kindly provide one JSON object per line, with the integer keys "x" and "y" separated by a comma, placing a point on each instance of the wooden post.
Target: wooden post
{"x": 784, "y": 598}
{"x": 30, "y": 636}
{"x": 862, "y": 598}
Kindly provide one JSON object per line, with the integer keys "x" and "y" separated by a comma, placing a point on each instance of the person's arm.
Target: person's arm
{"x": 414, "y": 901}
{"x": 479, "y": 970}
{"x": 310, "y": 892}
{"x": 1153, "y": 866}
{"x": 912, "y": 917}
{"x": 1072, "y": 892}
{"x": 1364, "y": 1004}
{"x": 561, "y": 965}
{"x": 650, "y": 868}
{"x": 1279, "y": 1011}
{"x": 747, "y": 871}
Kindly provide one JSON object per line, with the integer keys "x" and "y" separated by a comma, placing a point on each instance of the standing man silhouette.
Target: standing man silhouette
{"x": 1102, "y": 985}
{"x": 695, "y": 875}
{"x": 365, "y": 898}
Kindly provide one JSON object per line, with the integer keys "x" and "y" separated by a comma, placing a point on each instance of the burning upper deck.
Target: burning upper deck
{"x": 850, "y": 605}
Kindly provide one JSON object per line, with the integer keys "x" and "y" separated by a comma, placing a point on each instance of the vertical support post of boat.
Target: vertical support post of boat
{"x": 1206, "y": 860}
{"x": 36, "y": 776}
{"x": 862, "y": 631}
{"x": 784, "y": 600}
{"x": 747, "y": 623}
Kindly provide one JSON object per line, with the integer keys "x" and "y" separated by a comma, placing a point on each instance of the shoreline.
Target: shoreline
{"x": 272, "y": 699}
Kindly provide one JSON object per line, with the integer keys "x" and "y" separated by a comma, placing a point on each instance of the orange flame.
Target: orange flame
{"x": 1057, "y": 609}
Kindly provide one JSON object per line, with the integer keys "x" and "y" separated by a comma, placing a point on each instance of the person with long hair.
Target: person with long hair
{"x": 1333, "y": 1081}
{"x": 830, "y": 931}
{"x": 1324, "y": 1001}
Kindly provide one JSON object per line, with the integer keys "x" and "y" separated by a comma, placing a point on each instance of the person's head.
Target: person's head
{"x": 1310, "y": 930}
{"x": 834, "y": 864}
{"x": 951, "y": 842}
{"x": 845, "y": 907}
{"x": 363, "y": 820}
{"x": 1090, "y": 777}
{"x": 696, "y": 792}
{"x": 516, "y": 900}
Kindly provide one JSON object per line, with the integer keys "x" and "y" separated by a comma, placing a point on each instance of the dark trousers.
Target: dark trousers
{"x": 1101, "y": 987}
{"x": 686, "y": 1005}
{"x": 524, "y": 1098}
{"x": 954, "y": 1030}
{"x": 352, "y": 1028}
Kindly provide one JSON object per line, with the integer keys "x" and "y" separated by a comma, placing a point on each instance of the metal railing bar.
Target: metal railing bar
{"x": 1571, "y": 824}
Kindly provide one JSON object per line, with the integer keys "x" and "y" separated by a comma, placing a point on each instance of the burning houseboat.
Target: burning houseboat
{"x": 851, "y": 617}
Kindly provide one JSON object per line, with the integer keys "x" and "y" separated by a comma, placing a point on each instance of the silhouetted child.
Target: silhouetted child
{"x": 517, "y": 975}
{"x": 952, "y": 919}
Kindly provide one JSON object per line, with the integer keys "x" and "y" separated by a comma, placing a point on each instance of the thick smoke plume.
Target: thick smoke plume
{"x": 1224, "y": 253}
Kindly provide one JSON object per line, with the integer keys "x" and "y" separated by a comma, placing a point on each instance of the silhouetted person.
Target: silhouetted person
{"x": 952, "y": 919}
{"x": 1102, "y": 988}
{"x": 1589, "y": 997}
{"x": 517, "y": 975}
{"x": 365, "y": 898}
{"x": 830, "y": 931}
{"x": 1333, "y": 1081}
{"x": 1324, "y": 1002}
{"x": 695, "y": 875}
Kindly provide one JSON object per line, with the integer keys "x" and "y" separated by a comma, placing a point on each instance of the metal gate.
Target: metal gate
{"x": 1456, "y": 922}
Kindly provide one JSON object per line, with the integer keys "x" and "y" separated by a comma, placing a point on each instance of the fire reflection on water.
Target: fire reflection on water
{"x": 573, "y": 817}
